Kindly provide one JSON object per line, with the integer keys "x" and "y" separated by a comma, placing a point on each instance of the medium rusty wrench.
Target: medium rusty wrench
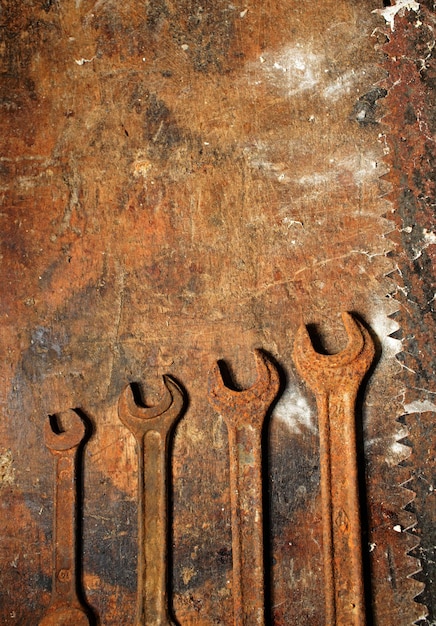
{"x": 66, "y": 607}
{"x": 244, "y": 413}
{"x": 151, "y": 427}
{"x": 335, "y": 381}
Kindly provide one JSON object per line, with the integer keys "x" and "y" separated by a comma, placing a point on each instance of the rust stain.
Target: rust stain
{"x": 151, "y": 427}
{"x": 410, "y": 61}
{"x": 335, "y": 380}
{"x": 63, "y": 437}
{"x": 244, "y": 413}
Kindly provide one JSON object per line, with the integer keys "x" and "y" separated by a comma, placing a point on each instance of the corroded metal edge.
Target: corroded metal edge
{"x": 407, "y": 141}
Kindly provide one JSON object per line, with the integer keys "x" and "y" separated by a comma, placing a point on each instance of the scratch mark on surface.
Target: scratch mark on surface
{"x": 117, "y": 324}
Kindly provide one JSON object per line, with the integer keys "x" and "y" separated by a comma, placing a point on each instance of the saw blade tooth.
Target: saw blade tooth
{"x": 409, "y": 98}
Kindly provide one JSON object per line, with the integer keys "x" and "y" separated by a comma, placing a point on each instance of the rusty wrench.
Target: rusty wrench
{"x": 63, "y": 442}
{"x": 244, "y": 413}
{"x": 335, "y": 381}
{"x": 151, "y": 427}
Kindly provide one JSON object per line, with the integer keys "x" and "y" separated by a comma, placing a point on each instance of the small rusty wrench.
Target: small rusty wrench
{"x": 244, "y": 413}
{"x": 335, "y": 381}
{"x": 66, "y": 607}
{"x": 151, "y": 427}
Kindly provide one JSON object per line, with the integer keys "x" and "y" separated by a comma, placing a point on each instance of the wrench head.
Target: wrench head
{"x": 64, "y": 431}
{"x": 139, "y": 419}
{"x": 248, "y": 406}
{"x": 322, "y": 372}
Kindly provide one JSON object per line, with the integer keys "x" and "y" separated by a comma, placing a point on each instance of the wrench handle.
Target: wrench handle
{"x": 343, "y": 570}
{"x": 152, "y": 608}
{"x": 66, "y": 605}
{"x": 64, "y": 590}
{"x": 247, "y": 525}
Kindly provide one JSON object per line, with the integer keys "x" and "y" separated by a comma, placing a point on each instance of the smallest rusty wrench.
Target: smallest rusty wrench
{"x": 151, "y": 427}
{"x": 244, "y": 413}
{"x": 66, "y": 607}
{"x": 335, "y": 381}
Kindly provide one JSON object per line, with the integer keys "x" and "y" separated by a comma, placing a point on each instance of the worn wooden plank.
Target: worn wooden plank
{"x": 184, "y": 182}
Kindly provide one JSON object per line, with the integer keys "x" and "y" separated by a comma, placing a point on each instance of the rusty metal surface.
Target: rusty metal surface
{"x": 335, "y": 380}
{"x": 244, "y": 412}
{"x": 63, "y": 437}
{"x": 186, "y": 182}
{"x": 152, "y": 427}
{"x": 410, "y": 62}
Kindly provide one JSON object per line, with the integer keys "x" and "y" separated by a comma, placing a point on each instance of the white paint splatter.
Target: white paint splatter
{"x": 315, "y": 179}
{"x": 429, "y": 237}
{"x": 420, "y": 406}
{"x": 360, "y": 167}
{"x": 258, "y": 160}
{"x": 384, "y": 326}
{"x": 389, "y": 13}
{"x": 294, "y": 411}
{"x": 83, "y": 61}
{"x": 291, "y": 222}
{"x": 7, "y": 470}
{"x": 141, "y": 168}
{"x": 141, "y": 165}
{"x": 397, "y": 453}
{"x": 294, "y": 69}
{"x": 341, "y": 85}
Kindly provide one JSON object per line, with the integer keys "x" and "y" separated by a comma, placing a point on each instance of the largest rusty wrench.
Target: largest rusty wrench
{"x": 151, "y": 427}
{"x": 244, "y": 413}
{"x": 335, "y": 381}
{"x": 66, "y": 607}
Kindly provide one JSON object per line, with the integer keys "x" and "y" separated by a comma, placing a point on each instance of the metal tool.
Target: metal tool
{"x": 244, "y": 413}
{"x": 335, "y": 381}
{"x": 63, "y": 436}
{"x": 151, "y": 427}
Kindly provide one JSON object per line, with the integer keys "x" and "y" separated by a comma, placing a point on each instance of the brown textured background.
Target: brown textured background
{"x": 186, "y": 181}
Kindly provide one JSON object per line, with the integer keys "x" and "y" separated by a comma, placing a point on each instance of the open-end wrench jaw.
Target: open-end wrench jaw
{"x": 132, "y": 415}
{"x": 59, "y": 440}
{"x": 257, "y": 397}
{"x": 324, "y": 370}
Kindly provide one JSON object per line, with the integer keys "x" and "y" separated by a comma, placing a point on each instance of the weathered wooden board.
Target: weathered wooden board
{"x": 185, "y": 182}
